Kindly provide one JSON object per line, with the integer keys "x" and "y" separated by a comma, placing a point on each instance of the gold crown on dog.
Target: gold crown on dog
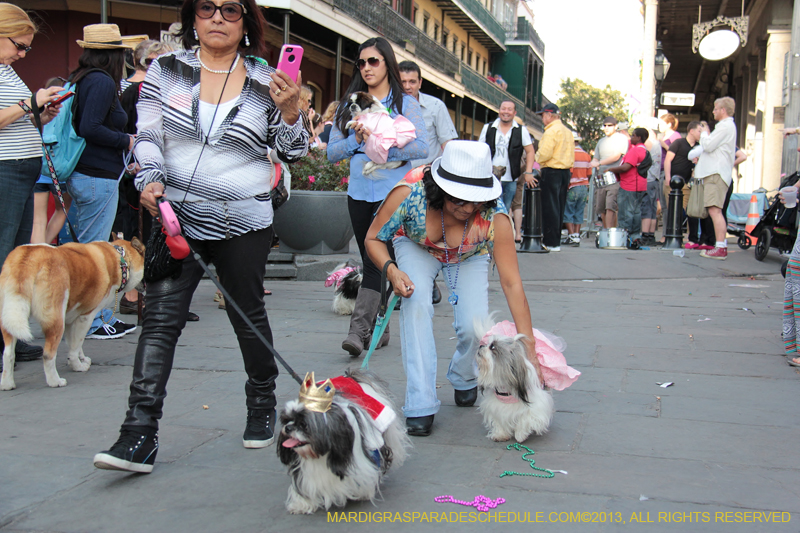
{"x": 315, "y": 397}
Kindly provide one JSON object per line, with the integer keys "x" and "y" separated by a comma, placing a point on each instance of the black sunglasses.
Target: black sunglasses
{"x": 373, "y": 62}
{"x": 21, "y": 47}
{"x": 460, "y": 203}
{"x": 230, "y": 11}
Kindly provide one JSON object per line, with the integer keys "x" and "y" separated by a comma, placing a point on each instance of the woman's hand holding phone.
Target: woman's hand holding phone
{"x": 286, "y": 95}
{"x": 45, "y": 96}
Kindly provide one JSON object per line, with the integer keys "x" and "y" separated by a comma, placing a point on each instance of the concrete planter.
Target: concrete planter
{"x": 315, "y": 223}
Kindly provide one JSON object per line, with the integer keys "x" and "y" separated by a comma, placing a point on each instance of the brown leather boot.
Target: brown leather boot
{"x": 366, "y": 307}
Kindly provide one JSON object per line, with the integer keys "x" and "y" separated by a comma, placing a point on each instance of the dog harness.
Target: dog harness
{"x": 123, "y": 265}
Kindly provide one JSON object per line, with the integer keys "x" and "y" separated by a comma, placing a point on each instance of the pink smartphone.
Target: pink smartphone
{"x": 289, "y": 60}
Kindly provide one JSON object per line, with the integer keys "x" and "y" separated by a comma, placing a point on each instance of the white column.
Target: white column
{"x": 778, "y": 43}
{"x": 649, "y": 57}
{"x": 790, "y": 153}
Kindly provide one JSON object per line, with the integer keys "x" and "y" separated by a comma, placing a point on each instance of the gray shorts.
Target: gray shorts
{"x": 649, "y": 207}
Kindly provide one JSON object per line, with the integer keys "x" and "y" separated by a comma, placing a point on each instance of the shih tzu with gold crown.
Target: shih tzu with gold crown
{"x": 339, "y": 439}
{"x": 515, "y": 403}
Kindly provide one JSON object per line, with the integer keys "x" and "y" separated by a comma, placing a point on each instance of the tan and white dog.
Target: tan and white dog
{"x": 63, "y": 288}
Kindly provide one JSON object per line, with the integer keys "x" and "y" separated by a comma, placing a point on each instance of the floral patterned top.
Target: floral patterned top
{"x": 409, "y": 221}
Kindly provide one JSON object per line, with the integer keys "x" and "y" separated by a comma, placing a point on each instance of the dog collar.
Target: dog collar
{"x": 123, "y": 265}
{"x": 505, "y": 397}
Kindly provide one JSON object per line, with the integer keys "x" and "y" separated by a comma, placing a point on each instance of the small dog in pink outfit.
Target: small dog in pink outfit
{"x": 387, "y": 132}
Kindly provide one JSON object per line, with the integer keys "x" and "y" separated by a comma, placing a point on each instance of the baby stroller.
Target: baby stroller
{"x": 738, "y": 211}
{"x": 778, "y": 226}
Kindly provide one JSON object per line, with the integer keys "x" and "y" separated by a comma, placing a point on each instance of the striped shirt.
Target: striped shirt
{"x": 18, "y": 140}
{"x": 228, "y": 194}
{"x": 581, "y": 170}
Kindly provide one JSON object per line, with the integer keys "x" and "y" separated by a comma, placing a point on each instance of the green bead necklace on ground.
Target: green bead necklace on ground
{"x": 517, "y": 446}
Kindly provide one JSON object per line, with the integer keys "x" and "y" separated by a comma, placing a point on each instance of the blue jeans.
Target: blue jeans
{"x": 416, "y": 324}
{"x": 94, "y": 201}
{"x": 509, "y": 190}
{"x": 630, "y": 212}
{"x": 17, "y": 178}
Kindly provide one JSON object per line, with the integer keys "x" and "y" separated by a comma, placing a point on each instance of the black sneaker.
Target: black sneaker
{"x": 112, "y": 331}
{"x": 134, "y": 451}
{"x": 260, "y": 429}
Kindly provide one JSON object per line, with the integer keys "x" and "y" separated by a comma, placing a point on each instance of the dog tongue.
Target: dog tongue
{"x": 290, "y": 443}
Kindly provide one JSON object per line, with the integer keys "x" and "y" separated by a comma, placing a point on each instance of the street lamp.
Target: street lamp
{"x": 661, "y": 67}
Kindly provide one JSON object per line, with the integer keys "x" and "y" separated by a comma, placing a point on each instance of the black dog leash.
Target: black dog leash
{"x": 232, "y": 302}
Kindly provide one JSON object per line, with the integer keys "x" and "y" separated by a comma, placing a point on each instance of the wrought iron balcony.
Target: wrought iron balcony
{"x": 392, "y": 25}
{"x": 525, "y": 32}
{"x": 492, "y": 93}
{"x": 479, "y": 15}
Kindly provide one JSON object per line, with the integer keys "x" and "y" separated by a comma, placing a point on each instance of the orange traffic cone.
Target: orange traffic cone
{"x": 753, "y": 218}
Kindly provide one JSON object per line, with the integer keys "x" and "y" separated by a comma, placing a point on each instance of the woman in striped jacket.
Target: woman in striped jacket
{"x": 208, "y": 117}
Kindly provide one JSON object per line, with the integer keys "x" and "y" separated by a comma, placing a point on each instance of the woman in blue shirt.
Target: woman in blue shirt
{"x": 375, "y": 72}
{"x": 100, "y": 120}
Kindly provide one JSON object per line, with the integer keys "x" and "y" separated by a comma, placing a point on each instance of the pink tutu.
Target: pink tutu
{"x": 387, "y": 132}
{"x": 556, "y": 372}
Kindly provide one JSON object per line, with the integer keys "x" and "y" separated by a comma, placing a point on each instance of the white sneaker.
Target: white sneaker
{"x": 552, "y": 248}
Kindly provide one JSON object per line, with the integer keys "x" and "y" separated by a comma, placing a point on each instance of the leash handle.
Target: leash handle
{"x": 384, "y": 294}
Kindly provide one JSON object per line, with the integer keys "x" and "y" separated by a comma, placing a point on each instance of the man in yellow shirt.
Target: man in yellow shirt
{"x": 556, "y": 155}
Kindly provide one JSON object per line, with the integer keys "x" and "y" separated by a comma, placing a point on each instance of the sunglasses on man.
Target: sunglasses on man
{"x": 230, "y": 11}
{"x": 373, "y": 62}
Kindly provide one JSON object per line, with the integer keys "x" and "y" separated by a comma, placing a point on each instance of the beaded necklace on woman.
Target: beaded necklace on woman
{"x": 233, "y": 67}
{"x": 453, "y": 298}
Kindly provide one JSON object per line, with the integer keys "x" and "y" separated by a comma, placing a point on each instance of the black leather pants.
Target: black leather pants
{"x": 240, "y": 264}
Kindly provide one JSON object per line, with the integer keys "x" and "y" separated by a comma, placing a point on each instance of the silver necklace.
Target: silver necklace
{"x": 235, "y": 63}
{"x": 453, "y": 298}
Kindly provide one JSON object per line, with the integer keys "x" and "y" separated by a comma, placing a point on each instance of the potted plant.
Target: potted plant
{"x": 315, "y": 219}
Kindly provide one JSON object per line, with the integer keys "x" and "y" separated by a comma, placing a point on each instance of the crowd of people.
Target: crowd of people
{"x": 207, "y": 121}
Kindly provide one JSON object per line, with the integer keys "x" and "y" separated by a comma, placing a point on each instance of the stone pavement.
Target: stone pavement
{"x": 721, "y": 440}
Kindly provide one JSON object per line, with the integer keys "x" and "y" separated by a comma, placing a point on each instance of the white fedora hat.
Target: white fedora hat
{"x": 465, "y": 172}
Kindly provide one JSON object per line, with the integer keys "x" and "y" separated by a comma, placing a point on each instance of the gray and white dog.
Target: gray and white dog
{"x": 515, "y": 403}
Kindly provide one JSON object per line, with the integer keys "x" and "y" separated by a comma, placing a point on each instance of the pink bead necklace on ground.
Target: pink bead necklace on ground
{"x": 481, "y": 503}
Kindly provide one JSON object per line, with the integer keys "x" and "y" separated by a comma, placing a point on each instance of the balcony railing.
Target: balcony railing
{"x": 525, "y": 32}
{"x": 387, "y": 22}
{"x": 492, "y": 93}
{"x": 392, "y": 25}
{"x": 484, "y": 17}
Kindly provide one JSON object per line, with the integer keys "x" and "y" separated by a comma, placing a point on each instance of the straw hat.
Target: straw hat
{"x": 132, "y": 40}
{"x": 102, "y": 37}
{"x": 465, "y": 172}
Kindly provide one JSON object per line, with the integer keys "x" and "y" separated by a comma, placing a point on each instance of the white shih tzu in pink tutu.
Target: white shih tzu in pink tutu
{"x": 515, "y": 402}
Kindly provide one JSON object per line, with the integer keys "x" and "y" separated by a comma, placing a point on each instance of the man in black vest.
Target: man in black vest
{"x": 507, "y": 141}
